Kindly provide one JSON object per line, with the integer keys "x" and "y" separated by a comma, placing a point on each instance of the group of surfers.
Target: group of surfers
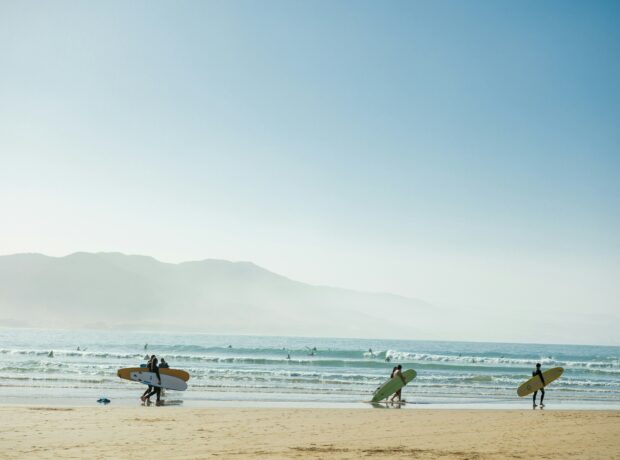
{"x": 154, "y": 365}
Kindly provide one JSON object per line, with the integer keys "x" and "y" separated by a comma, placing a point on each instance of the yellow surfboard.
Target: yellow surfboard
{"x": 178, "y": 373}
{"x": 535, "y": 384}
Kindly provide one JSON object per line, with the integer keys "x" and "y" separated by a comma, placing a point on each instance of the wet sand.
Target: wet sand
{"x": 169, "y": 432}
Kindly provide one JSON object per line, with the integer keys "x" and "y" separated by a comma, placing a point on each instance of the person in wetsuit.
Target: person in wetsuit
{"x": 153, "y": 367}
{"x": 397, "y": 371}
{"x": 150, "y": 387}
{"x": 537, "y": 372}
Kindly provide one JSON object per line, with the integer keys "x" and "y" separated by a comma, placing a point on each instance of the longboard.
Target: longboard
{"x": 125, "y": 373}
{"x": 167, "y": 381}
{"x": 392, "y": 386}
{"x": 535, "y": 384}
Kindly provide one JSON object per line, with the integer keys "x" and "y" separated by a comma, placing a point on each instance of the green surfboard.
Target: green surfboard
{"x": 392, "y": 386}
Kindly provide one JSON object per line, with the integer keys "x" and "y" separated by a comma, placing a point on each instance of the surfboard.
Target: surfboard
{"x": 392, "y": 386}
{"x": 535, "y": 384}
{"x": 150, "y": 378}
{"x": 125, "y": 373}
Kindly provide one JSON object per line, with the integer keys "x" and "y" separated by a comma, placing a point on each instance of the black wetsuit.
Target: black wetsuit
{"x": 542, "y": 390}
{"x": 156, "y": 390}
{"x": 150, "y": 387}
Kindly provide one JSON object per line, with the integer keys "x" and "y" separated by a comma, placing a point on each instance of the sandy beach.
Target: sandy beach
{"x": 112, "y": 432}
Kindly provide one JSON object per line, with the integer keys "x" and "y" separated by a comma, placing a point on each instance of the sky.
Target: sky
{"x": 463, "y": 153}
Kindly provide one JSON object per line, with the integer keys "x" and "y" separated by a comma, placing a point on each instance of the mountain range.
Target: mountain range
{"x": 118, "y": 291}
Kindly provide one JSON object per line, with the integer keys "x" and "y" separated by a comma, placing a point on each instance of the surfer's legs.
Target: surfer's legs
{"x": 534, "y": 398}
{"x": 154, "y": 391}
{"x": 148, "y": 390}
{"x": 542, "y": 396}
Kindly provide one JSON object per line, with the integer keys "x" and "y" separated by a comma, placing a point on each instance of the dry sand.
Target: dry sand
{"x": 162, "y": 433}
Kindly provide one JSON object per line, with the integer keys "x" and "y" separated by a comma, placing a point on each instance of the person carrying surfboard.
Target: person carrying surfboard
{"x": 538, "y": 372}
{"x": 150, "y": 387}
{"x": 153, "y": 367}
{"x": 397, "y": 372}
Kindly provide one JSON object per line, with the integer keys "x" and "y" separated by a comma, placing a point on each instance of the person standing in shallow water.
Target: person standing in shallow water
{"x": 537, "y": 372}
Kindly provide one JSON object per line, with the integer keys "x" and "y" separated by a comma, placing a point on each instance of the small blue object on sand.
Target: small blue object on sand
{"x": 104, "y": 401}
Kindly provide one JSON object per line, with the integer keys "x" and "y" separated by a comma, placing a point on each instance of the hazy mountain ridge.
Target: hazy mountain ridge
{"x": 215, "y": 296}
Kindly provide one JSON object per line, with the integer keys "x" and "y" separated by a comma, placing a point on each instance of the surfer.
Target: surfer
{"x": 153, "y": 367}
{"x": 397, "y": 371}
{"x": 537, "y": 372}
{"x": 149, "y": 388}
{"x": 163, "y": 364}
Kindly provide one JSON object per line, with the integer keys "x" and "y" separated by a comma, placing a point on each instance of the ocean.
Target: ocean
{"x": 257, "y": 371}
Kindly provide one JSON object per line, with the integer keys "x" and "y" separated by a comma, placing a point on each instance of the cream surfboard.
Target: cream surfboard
{"x": 392, "y": 386}
{"x": 535, "y": 384}
{"x": 125, "y": 373}
{"x": 150, "y": 378}
{"x": 171, "y": 379}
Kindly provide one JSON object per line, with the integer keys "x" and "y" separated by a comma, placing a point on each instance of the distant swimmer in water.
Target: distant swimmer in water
{"x": 397, "y": 372}
{"x": 229, "y": 346}
{"x": 537, "y": 372}
{"x": 50, "y": 354}
{"x": 288, "y": 356}
{"x": 388, "y": 359}
{"x": 146, "y": 345}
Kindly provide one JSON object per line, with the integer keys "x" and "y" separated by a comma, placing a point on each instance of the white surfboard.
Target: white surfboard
{"x": 167, "y": 381}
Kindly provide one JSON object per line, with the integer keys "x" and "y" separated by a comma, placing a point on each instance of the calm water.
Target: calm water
{"x": 247, "y": 370}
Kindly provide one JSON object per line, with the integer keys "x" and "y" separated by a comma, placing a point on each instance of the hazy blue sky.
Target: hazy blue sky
{"x": 465, "y": 153}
